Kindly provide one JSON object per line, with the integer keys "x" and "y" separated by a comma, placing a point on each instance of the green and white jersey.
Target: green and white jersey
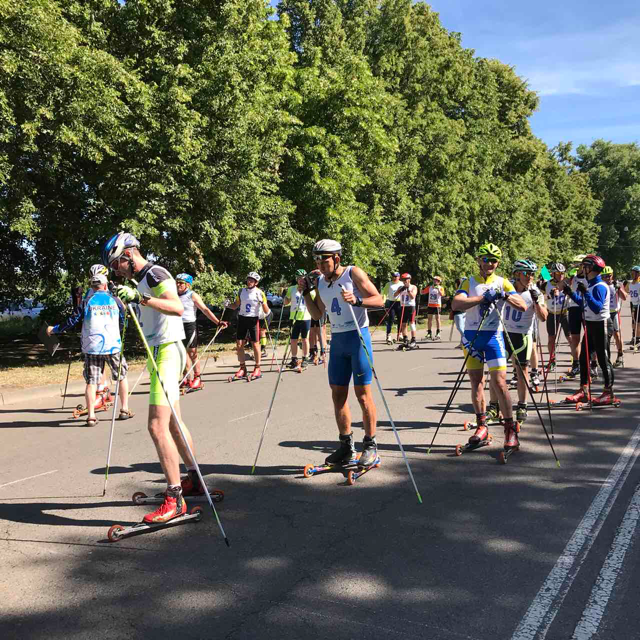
{"x": 158, "y": 328}
{"x": 389, "y": 291}
{"x": 298, "y": 309}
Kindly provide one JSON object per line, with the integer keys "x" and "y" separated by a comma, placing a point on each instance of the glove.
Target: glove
{"x": 624, "y": 283}
{"x": 581, "y": 288}
{"x": 535, "y": 294}
{"x": 618, "y": 286}
{"x": 310, "y": 283}
{"x": 402, "y": 288}
{"x": 128, "y": 294}
{"x": 490, "y": 296}
{"x": 567, "y": 290}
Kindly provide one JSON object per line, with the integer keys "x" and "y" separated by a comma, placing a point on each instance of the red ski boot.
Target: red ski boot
{"x": 579, "y": 396}
{"x": 256, "y": 374}
{"x": 191, "y": 485}
{"x": 196, "y": 384}
{"x": 172, "y": 507}
{"x": 607, "y": 397}
{"x": 511, "y": 430}
{"x": 480, "y": 435}
{"x": 240, "y": 374}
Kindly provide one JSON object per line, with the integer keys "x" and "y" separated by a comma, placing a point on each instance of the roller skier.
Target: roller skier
{"x": 407, "y": 294}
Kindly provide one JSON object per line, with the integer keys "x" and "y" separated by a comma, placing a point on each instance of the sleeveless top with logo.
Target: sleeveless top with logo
{"x": 337, "y": 309}
{"x": 189, "y": 314}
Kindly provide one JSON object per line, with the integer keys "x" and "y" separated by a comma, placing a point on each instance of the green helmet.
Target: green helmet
{"x": 525, "y": 265}
{"x": 607, "y": 271}
{"x": 489, "y": 249}
{"x": 301, "y": 273}
{"x": 573, "y": 272}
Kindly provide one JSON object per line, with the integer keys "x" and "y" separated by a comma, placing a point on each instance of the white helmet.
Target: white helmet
{"x": 98, "y": 270}
{"x": 254, "y": 275}
{"x": 327, "y": 246}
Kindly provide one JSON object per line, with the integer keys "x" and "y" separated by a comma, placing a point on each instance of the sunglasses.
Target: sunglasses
{"x": 490, "y": 260}
{"x": 323, "y": 256}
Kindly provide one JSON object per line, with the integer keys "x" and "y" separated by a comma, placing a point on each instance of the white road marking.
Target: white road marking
{"x": 46, "y": 473}
{"x": 601, "y": 592}
{"x": 249, "y": 415}
{"x": 420, "y": 367}
{"x": 549, "y": 599}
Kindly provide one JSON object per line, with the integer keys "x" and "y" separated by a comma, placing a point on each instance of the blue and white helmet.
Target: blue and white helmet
{"x": 184, "y": 277}
{"x": 116, "y": 246}
{"x": 525, "y": 265}
{"x": 636, "y": 268}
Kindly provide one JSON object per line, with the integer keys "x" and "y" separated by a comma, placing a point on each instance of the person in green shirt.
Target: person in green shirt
{"x": 300, "y": 320}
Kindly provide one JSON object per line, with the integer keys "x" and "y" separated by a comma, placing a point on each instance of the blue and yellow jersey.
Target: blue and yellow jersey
{"x": 477, "y": 286}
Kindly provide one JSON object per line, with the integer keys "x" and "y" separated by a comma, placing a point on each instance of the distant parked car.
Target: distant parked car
{"x": 274, "y": 300}
{"x": 25, "y": 309}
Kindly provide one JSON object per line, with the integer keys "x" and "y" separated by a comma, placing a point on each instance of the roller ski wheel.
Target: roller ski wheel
{"x": 354, "y": 474}
{"x": 81, "y": 410}
{"x": 140, "y": 497}
{"x": 240, "y": 374}
{"x": 313, "y": 469}
{"x": 117, "y": 531}
{"x": 472, "y": 446}
{"x": 185, "y": 390}
{"x": 580, "y": 406}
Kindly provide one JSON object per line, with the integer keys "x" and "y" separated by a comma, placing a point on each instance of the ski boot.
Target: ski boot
{"x": 191, "y": 485}
{"x": 240, "y": 374}
{"x": 195, "y": 385}
{"x": 304, "y": 363}
{"x": 293, "y": 364}
{"x": 607, "y": 398}
{"x": 619, "y": 362}
{"x": 513, "y": 383}
{"x": 428, "y": 336}
{"x": 574, "y": 372}
{"x": 511, "y": 441}
{"x": 437, "y": 337}
{"x": 404, "y": 345}
{"x": 535, "y": 379}
{"x": 551, "y": 366}
{"x": 413, "y": 344}
{"x": 184, "y": 385}
{"x": 173, "y": 506}
{"x": 493, "y": 412}
{"x": 256, "y": 374}
{"x": 345, "y": 453}
{"x": 579, "y": 397}
{"x": 323, "y": 357}
{"x": 369, "y": 452}
{"x": 389, "y": 340}
{"x": 594, "y": 372}
{"x": 521, "y": 413}
{"x": 263, "y": 352}
{"x": 313, "y": 355}
{"x": 481, "y": 438}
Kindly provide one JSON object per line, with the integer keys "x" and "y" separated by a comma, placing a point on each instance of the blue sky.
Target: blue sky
{"x": 582, "y": 57}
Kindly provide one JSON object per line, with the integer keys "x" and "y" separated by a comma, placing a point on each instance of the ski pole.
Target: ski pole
{"x": 461, "y": 374}
{"x": 545, "y": 387}
{"x": 381, "y": 321}
{"x": 586, "y": 346}
{"x": 555, "y": 346}
{"x": 115, "y": 406}
{"x": 215, "y": 335}
{"x": 64, "y": 395}
{"x": 526, "y": 382}
{"x": 273, "y": 397}
{"x": 175, "y": 417}
{"x": 386, "y": 406}
{"x": 275, "y": 346}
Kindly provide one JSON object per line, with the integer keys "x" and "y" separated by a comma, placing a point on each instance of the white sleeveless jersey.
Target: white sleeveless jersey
{"x": 603, "y": 314}
{"x": 634, "y": 293}
{"x": 189, "y": 314}
{"x": 337, "y": 309}
{"x": 158, "y": 328}
{"x": 557, "y": 303}
{"x": 574, "y": 288}
{"x": 476, "y": 286}
{"x": 517, "y": 321}
{"x": 435, "y": 296}
{"x": 406, "y": 300}
{"x": 250, "y": 302}
{"x": 614, "y": 302}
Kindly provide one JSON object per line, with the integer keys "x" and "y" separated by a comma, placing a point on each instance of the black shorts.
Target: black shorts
{"x": 522, "y": 347}
{"x": 318, "y": 323}
{"x": 191, "y": 335}
{"x": 433, "y": 311}
{"x": 575, "y": 320}
{"x": 248, "y": 325}
{"x": 300, "y": 329}
{"x": 408, "y": 314}
{"x": 552, "y": 324}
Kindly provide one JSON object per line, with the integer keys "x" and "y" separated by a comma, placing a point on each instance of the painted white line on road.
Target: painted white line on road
{"x": 420, "y": 367}
{"x": 549, "y": 599}
{"x": 257, "y": 413}
{"x": 46, "y": 473}
{"x": 601, "y": 592}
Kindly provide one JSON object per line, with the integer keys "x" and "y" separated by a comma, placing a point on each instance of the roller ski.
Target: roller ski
{"x": 535, "y": 382}
{"x": 580, "y": 397}
{"x": 550, "y": 367}
{"x": 104, "y": 401}
{"x": 607, "y": 399}
{"x": 369, "y": 459}
{"x": 139, "y": 497}
{"x": 574, "y": 372}
{"x": 437, "y": 337}
{"x": 240, "y": 374}
{"x": 635, "y": 346}
{"x": 256, "y": 374}
{"x": 344, "y": 456}
{"x": 389, "y": 341}
{"x": 481, "y": 438}
{"x": 428, "y": 337}
{"x": 619, "y": 363}
{"x": 511, "y": 441}
{"x": 117, "y": 531}
{"x": 193, "y": 385}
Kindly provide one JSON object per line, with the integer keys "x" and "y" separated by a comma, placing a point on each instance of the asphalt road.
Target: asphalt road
{"x": 526, "y": 550}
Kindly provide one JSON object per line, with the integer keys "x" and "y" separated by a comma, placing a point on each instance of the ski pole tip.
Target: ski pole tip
{"x": 252, "y": 469}
{"x": 419, "y": 499}
{"x": 558, "y": 463}
{"x": 226, "y": 540}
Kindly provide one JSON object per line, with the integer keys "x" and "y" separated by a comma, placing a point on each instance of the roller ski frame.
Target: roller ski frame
{"x": 580, "y": 406}
{"x": 505, "y": 454}
{"x": 187, "y": 389}
{"x": 235, "y": 376}
{"x": 139, "y": 497}
{"x": 472, "y": 446}
{"x": 358, "y": 472}
{"x": 403, "y": 346}
{"x": 311, "y": 470}
{"x": 81, "y": 410}
{"x": 117, "y": 531}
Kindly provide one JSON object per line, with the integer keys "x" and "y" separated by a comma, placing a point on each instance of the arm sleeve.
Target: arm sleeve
{"x": 71, "y": 321}
{"x": 464, "y": 288}
{"x": 507, "y": 286}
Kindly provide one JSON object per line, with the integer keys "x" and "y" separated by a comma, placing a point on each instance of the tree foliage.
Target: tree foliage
{"x": 229, "y": 139}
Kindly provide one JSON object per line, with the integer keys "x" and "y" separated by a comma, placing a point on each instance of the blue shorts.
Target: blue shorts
{"x": 348, "y": 357}
{"x": 488, "y": 347}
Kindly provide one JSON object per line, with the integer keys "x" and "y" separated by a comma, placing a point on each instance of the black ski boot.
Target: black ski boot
{"x": 369, "y": 454}
{"x": 293, "y": 364}
{"x": 344, "y": 453}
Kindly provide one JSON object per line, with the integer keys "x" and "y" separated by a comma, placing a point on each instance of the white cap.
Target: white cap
{"x": 99, "y": 279}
